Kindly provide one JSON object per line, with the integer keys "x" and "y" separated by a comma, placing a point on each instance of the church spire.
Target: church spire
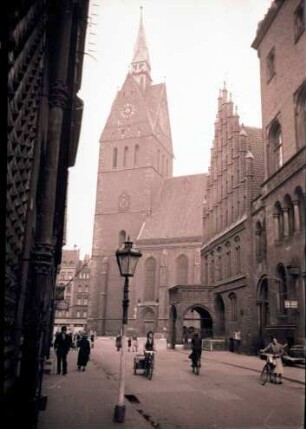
{"x": 140, "y": 66}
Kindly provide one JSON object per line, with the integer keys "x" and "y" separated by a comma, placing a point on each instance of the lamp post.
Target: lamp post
{"x": 127, "y": 259}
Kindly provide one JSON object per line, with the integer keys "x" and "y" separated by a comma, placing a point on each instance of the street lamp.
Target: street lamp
{"x": 127, "y": 259}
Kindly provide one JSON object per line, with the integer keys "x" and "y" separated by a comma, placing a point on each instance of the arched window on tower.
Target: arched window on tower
{"x": 182, "y": 270}
{"x": 300, "y": 116}
{"x": 121, "y": 238}
{"x": 275, "y": 147}
{"x": 115, "y": 157}
{"x": 136, "y": 155}
{"x": 125, "y": 156}
{"x": 150, "y": 279}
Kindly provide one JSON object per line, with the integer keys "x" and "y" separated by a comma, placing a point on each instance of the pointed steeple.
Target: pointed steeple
{"x": 140, "y": 66}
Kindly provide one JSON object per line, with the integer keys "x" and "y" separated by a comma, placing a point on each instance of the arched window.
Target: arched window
{"x": 219, "y": 267}
{"x": 290, "y": 209}
{"x": 259, "y": 248}
{"x": 278, "y": 222}
{"x": 300, "y": 116}
{"x": 282, "y": 288}
{"x": 238, "y": 255}
{"x": 182, "y": 270}
{"x": 136, "y": 152}
{"x": 233, "y": 306}
{"x": 275, "y": 152}
{"x": 299, "y": 209}
{"x": 122, "y": 238}
{"x": 228, "y": 259}
{"x": 125, "y": 156}
{"x": 115, "y": 157}
{"x": 150, "y": 279}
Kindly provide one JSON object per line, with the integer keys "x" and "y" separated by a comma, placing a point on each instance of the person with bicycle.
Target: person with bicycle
{"x": 149, "y": 346}
{"x": 277, "y": 351}
{"x": 196, "y": 347}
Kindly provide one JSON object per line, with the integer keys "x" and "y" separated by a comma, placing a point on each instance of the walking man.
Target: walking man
{"x": 62, "y": 346}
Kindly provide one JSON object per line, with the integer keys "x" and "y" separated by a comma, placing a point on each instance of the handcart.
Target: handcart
{"x": 145, "y": 364}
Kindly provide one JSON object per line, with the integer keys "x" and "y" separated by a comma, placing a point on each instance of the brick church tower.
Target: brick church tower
{"x": 135, "y": 157}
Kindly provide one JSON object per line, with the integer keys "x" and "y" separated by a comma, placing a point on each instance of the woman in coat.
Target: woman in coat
{"x": 84, "y": 352}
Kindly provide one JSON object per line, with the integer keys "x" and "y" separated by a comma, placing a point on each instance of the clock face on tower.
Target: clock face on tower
{"x": 127, "y": 110}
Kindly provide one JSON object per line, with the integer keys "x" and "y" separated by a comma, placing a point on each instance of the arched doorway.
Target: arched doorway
{"x": 220, "y": 316}
{"x": 172, "y": 327}
{"x": 147, "y": 321}
{"x": 197, "y": 317}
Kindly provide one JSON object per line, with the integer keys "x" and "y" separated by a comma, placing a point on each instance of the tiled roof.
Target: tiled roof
{"x": 178, "y": 210}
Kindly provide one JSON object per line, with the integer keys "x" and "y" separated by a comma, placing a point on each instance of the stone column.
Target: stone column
{"x": 276, "y": 226}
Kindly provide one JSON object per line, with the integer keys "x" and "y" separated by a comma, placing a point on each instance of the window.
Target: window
{"x": 270, "y": 62}
{"x": 182, "y": 270}
{"x": 275, "y": 149}
{"x": 79, "y": 288}
{"x": 85, "y": 301}
{"x": 290, "y": 209}
{"x": 86, "y": 288}
{"x": 78, "y": 314}
{"x": 300, "y": 116}
{"x": 122, "y": 238}
{"x": 282, "y": 288}
{"x": 150, "y": 279}
{"x": 278, "y": 222}
{"x": 136, "y": 152}
{"x": 84, "y": 314}
{"x": 115, "y": 157}
{"x": 233, "y": 306}
{"x": 125, "y": 156}
{"x": 298, "y": 22}
{"x": 79, "y": 301}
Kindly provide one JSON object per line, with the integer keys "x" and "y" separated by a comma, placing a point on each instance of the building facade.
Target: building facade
{"x": 279, "y": 213}
{"x": 45, "y": 48}
{"x": 73, "y": 278}
{"x": 221, "y": 251}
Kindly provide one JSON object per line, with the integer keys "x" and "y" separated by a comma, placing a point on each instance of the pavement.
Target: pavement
{"x": 86, "y": 400}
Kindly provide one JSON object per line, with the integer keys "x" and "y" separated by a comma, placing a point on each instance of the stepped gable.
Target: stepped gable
{"x": 178, "y": 211}
{"x": 256, "y": 146}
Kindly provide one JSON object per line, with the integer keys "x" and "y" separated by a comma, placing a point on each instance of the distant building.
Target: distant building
{"x": 279, "y": 213}
{"x": 74, "y": 276}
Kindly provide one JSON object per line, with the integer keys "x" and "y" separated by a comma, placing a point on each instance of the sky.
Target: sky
{"x": 194, "y": 46}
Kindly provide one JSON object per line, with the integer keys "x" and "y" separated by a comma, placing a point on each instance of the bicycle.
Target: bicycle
{"x": 149, "y": 364}
{"x": 267, "y": 371}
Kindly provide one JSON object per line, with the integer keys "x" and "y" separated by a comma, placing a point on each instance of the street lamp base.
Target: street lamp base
{"x": 119, "y": 414}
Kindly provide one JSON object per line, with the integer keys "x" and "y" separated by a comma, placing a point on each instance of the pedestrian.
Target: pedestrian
{"x": 118, "y": 342}
{"x": 148, "y": 346}
{"x": 92, "y": 339}
{"x": 129, "y": 344}
{"x": 196, "y": 347}
{"x": 277, "y": 351}
{"x": 134, "y": 344}
{"x": 84, "y": 352}
{"x": 62, "y": 344}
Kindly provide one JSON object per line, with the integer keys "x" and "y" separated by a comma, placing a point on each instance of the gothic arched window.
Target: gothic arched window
{"x": 125, "y": 156}
{"x": 150, "y": 279}
{"x": 115, "y": 157}
{"x": 182, "y": 270}
{"x": 121, "y": 238}
{"x": 136, "y": 152}
{"x": 289, "y": 207}
{"x": 275, "y": 152}
{"x": 278, "y": 222}
{"x": 300, "y": 116}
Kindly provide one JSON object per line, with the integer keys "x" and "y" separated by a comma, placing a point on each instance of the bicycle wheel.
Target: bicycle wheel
{"x": 264, "y": 375}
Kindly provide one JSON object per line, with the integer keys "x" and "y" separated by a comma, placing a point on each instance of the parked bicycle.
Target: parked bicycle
{"x": 267, "y": 371}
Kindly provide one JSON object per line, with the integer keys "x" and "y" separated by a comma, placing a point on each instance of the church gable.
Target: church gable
{"x": 129, "y": 116}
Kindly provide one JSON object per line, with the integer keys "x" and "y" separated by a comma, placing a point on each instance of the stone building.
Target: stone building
{"x": 236, "y": 168}
{"x": 138, "y": 197}
{"x": 73, "y": 279}
{"x": 279, "y": 212}
{"x": 45, "y": 47}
